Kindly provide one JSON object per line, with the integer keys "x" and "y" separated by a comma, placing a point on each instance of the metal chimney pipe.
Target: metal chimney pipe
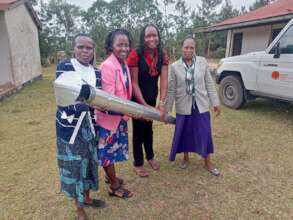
{"x": 70, "y": 88}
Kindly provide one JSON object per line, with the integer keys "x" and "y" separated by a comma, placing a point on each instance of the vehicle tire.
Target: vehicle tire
{"x": 232, "y": 92}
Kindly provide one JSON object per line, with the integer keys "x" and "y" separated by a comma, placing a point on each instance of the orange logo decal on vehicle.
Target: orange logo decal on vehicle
{"x": 275, "y": 75}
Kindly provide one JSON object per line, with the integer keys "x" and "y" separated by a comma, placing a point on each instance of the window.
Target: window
{"x": 275, "y": 33}
{"x": 286, "y": 42}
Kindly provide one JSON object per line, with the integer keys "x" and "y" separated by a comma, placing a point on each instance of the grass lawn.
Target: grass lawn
{"x": 254, "y": 151}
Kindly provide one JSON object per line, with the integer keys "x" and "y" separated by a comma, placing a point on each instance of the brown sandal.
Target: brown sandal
{"x": 154, "y": 164}
{"x": 140, "y": 171}
{"x": 124, "y": 193}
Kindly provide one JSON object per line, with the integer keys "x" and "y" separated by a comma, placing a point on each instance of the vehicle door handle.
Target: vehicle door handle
{"x": 271, "y": 64}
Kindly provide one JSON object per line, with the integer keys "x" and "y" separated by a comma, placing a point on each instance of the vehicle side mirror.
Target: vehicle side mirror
{"x": 277, "y": 51}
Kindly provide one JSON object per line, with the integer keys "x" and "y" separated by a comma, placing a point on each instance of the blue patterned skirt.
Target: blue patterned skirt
{"x": 113, "y": 146}
{"x": 77, "y": 164}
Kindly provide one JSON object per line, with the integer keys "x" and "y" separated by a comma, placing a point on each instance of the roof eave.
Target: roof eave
{"x": 34, "y": 15}
{"x": 244, "y": 24}
{"x": 14, "y": 4}
{"x": 29, "y": 7}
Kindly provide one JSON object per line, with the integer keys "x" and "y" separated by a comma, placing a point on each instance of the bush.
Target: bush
{"x": 45, "y": 62}
{"x": 219, "y": 53}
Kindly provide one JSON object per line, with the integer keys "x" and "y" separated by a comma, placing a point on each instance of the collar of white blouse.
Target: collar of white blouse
{"x": 87, "y": 73}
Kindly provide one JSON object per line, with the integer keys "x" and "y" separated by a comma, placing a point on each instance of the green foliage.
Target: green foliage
{"x": 181, "y": 27}
{"x": 62, "y": 20}
{"x": 132, "y": 15}
{"x": 227, "y": 11}
{"x": 44, "y": 62}
{"x": 206, "y": 15}
{"x": 207, "y": 11}
{"x": 220, "y": 52}
{"x": 33, "y": 2}
{"x": 259, "y": 3}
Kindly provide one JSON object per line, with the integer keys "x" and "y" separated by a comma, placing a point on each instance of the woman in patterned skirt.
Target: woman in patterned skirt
{"x": 76, "y": 151}
{"x": 112, "y": 126}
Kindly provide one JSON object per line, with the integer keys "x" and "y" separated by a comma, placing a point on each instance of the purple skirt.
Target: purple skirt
{"x": 193, "y": 133}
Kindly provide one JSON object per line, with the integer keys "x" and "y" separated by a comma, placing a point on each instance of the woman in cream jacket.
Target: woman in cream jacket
{"x": 193, "y": 90}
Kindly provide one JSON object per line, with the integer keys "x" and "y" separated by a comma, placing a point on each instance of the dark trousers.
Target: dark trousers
{"x": 142, "y": 134}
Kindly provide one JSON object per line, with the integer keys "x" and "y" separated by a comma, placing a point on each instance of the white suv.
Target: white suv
{"x": 266, "y": 73}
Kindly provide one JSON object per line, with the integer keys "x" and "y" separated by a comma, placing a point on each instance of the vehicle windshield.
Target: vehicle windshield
{"x": 286, "y": 42}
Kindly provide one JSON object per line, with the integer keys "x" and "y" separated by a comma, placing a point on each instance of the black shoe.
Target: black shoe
{"x": 96, "y": 203}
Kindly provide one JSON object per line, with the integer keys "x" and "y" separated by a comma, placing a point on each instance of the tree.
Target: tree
{"x": 181, "y": 17}
{"x": 259, "y": 3}
{"x": 65, "y": 16}
{"x": 206, "y": 15}
{"x": 133, "y": 14}
{"x": 227, "y": 11}
{"x": 243, "y": 10}
{"x": 104, "y": 16}
{"x": 60, "y": 22}
{"x": 208, "y": 10}
{"x": 167, "y": 22}
{"x": 181, "y": 24}
{"x": 33, "y": 2}
{"x": 97, "y": 22}
{"x": 218, "y": 39}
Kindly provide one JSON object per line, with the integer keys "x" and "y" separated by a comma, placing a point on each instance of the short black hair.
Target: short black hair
{"x": 81, "y": 35}
{"x": 84, "y": 35}
{"x": 111, "y": 36}
{"x": 186, "y": 38}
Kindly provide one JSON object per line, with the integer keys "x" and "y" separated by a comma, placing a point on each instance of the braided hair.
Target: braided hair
{"x": 111, "y": 36}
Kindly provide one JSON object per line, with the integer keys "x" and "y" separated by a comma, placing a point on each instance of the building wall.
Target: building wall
{"x": 229, "y": 43}
{"x": 5, "y": 70}
{"x": 254, "y": 38}
{"x": 24, "y": 44}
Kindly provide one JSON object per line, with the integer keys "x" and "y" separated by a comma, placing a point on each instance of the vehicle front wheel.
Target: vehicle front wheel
{"x": 232, "y": 92}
